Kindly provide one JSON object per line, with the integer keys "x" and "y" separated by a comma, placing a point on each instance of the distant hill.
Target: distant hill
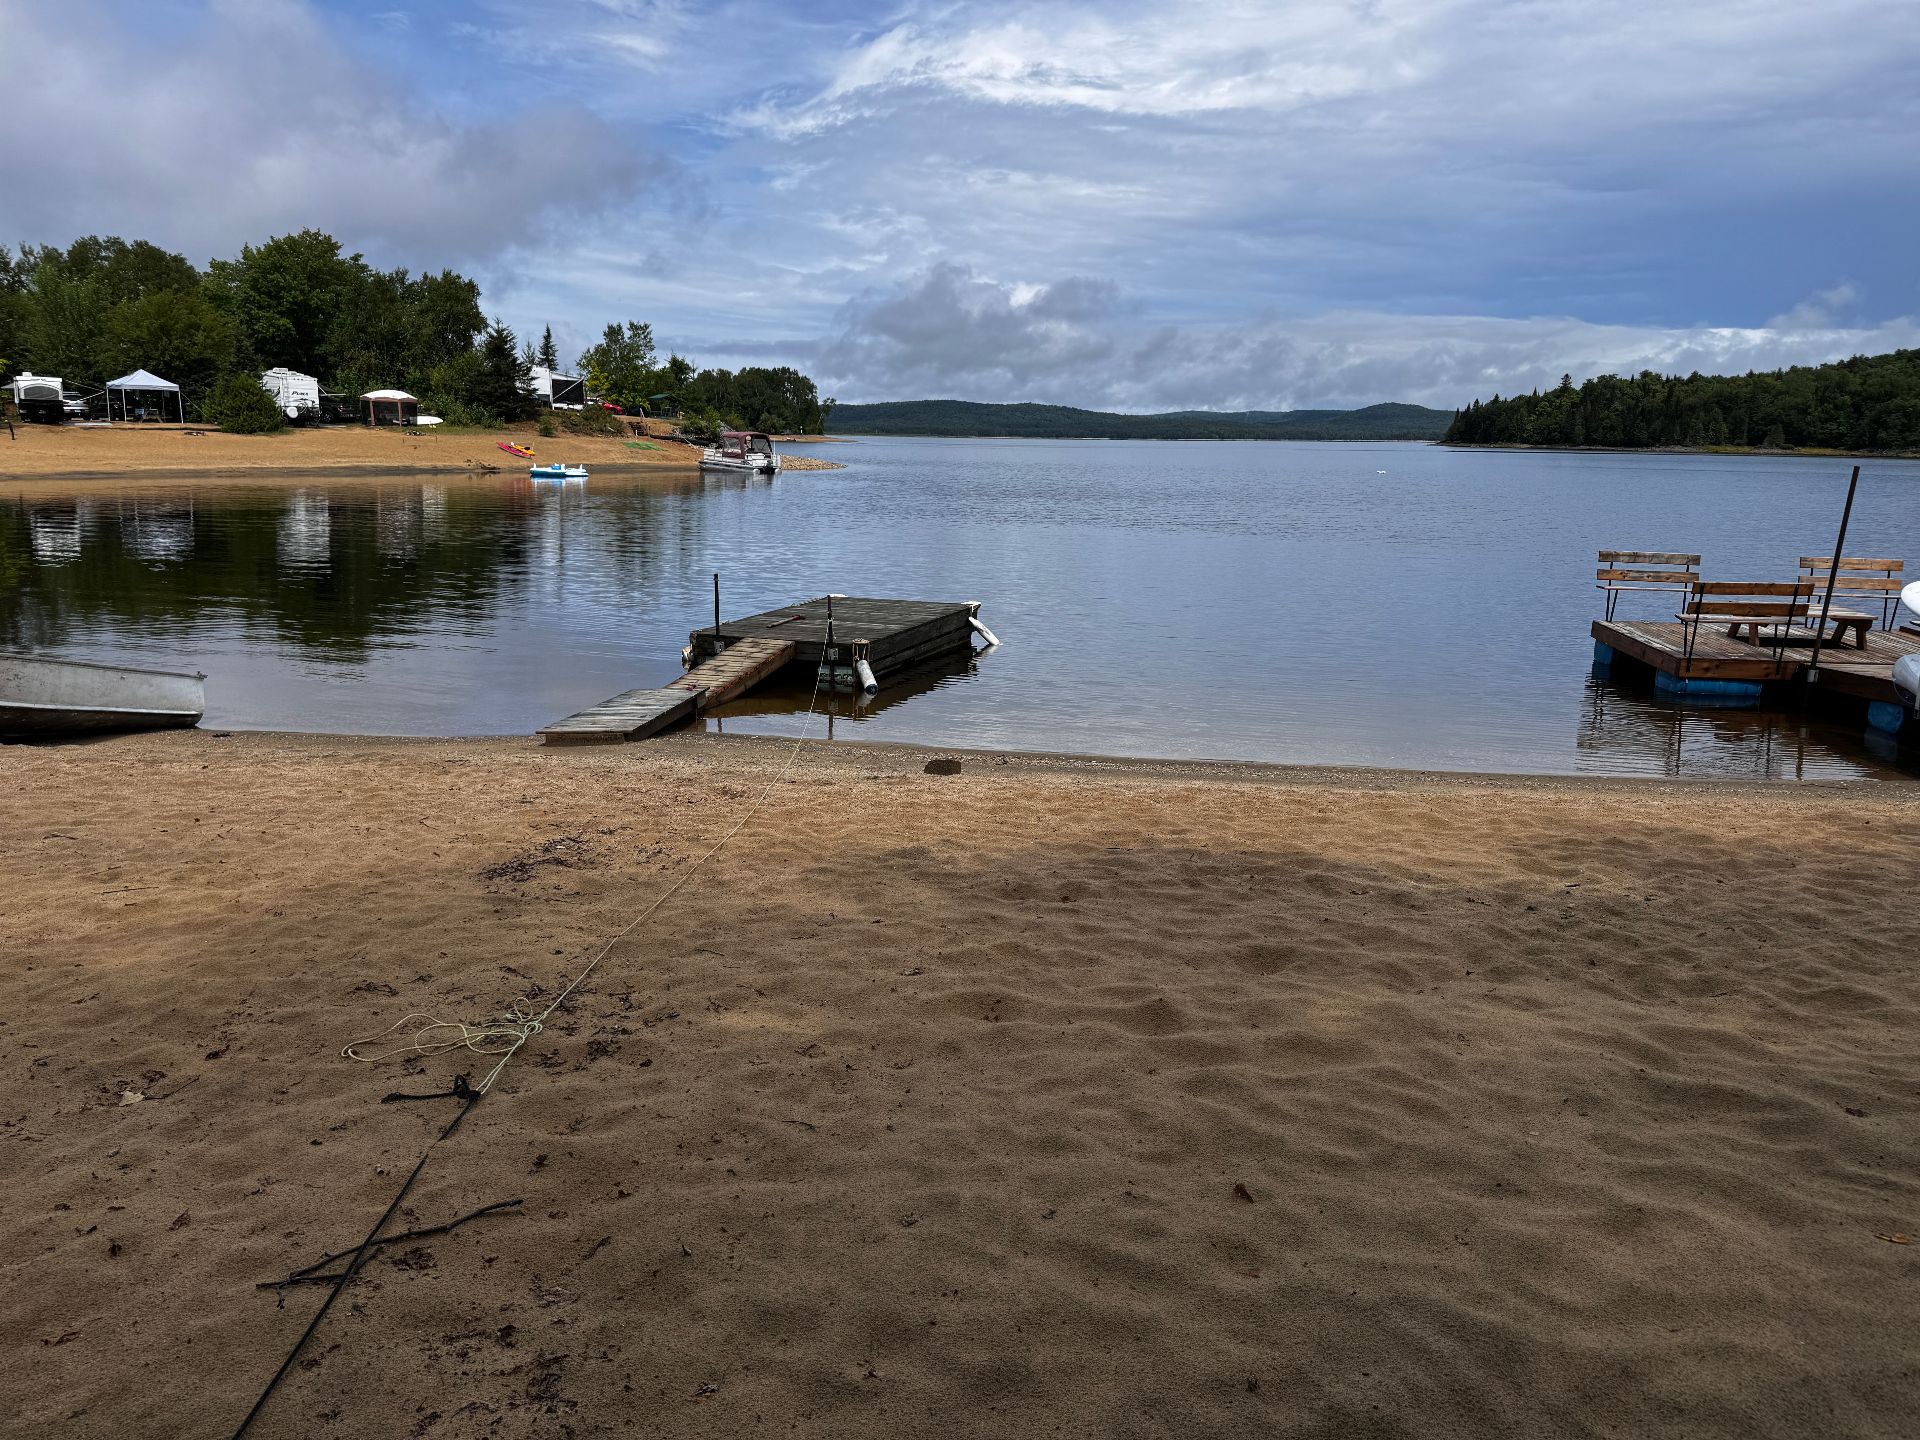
{"x": 1062, "y": 422}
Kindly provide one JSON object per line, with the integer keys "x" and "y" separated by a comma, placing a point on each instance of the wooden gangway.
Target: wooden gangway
{"x": 735, "y": 670}
{"x": 631, "y": 715}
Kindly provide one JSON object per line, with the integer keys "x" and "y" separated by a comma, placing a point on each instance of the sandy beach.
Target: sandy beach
{"x": 124, "y": 452}
{"x": 1053, "y": 1097}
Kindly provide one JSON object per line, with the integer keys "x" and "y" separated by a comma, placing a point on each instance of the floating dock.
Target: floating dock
{"x": 846, "y": 639}
{"x": 1735, "y": 671}
{"x": 889, "y": 635}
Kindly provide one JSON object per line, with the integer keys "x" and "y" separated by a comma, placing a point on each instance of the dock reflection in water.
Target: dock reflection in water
{"x": 1395, "y": 605}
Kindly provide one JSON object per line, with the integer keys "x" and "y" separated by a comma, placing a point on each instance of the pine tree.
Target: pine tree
{"x": 549, "y": 357}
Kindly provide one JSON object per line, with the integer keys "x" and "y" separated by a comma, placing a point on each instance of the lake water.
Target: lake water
{"x": 1397, "y": 605}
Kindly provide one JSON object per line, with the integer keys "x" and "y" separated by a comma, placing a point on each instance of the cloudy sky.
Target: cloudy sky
{"x": 1124, "y": 205}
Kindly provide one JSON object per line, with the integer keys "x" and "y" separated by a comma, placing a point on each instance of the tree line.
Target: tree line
{"x": 104, "y": 306}
{"x": 971, "y": 418}
{"x": 1871, "y": 402}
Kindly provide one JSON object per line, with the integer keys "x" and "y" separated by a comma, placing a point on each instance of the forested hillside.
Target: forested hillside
{"x": 1871, "y": 402}
{"x": 966, "y": 418}
{"x": 102, "y": 307}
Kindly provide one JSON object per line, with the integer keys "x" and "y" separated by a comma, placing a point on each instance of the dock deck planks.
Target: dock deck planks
{"x": 1866, "y": 673}
{"x": 633, "y": 715}
{"x": 735, "y": 670}
{"x": 896, "y": 633}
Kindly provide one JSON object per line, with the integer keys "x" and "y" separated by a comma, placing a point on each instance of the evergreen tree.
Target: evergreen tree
{"x": 549, "y": 357}
{"x": 500, "y": 382}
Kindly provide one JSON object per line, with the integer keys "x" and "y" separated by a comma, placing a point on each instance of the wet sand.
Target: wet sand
{"x": 1054, "y": 1097}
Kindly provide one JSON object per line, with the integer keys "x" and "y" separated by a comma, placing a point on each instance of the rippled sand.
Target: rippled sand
{"x": 1049, "y": 1098}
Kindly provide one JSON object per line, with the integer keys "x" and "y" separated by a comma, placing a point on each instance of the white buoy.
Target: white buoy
{"x": 868, "y": 684}
{"x": 983, "y": 632}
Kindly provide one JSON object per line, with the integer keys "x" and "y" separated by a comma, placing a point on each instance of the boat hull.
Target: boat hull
{"x": 723, "y": 466}
{"x": 42, "y": 698}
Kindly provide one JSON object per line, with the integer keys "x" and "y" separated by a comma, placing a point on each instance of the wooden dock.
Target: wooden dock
{"x": 1865, "y": 674}
{"x": 633, "y": 715}
{"x": 891, "y": 635}
{"x": 735, "y": 670}
{"x": 831, "y": 634}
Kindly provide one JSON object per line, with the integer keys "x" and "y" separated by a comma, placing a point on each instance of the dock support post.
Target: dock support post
{"x": 1833, "y": 574}
{"x": 1602, "y": 655}
{"x": 716, "y": 606}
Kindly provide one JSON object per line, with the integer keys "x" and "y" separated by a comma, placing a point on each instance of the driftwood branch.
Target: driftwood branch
{"x": 310, "y": 1274}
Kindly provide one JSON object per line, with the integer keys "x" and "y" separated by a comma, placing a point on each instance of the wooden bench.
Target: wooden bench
{"x": 1751, "y": 605}
{"x": 1624, "y": 570}
{"x": 1857, "y": 577}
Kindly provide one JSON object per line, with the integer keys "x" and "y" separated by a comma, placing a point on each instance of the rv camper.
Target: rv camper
{"x": 39, "y": 397}
{"x": 557, "y": 391}
{"x": 297, "y": 395}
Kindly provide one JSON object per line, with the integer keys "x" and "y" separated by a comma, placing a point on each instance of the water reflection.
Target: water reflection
{"x": 1357, "y": 605}
{"x": 1632, "y": 731}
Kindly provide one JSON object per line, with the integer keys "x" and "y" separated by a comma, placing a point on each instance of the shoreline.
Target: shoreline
{"x": 1307, "y": 1094}
{"x": 1174, "y": 769}
{"x": 1741, "y": 451}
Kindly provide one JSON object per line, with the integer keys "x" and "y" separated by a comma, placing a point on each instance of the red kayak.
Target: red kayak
{"x": 522, "y": 451}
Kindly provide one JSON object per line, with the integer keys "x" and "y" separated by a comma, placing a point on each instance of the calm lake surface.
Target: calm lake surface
{"x": 1396, "y": 605}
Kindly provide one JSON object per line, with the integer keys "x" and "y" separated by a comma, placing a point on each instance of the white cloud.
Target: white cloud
{"x": 257, "y": 122}
{"x": 952, "y": 333}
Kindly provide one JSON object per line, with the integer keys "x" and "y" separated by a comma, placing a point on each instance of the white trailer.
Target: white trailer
{"x": 557, "y": 391}
{"x": 297, "y": 395}
{"x": 39, "y": 397}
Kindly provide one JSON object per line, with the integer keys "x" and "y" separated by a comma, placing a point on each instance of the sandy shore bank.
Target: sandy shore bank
{"x": 50, "y": 451}
{"x": 1050, "y": 1098}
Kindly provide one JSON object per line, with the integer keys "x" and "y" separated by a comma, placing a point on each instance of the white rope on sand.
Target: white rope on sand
{"x": 505, "y": 1036}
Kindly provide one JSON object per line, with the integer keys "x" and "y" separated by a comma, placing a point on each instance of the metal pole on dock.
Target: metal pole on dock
{"x": 716, "y": 605}
{"x": 1833, "y": 574}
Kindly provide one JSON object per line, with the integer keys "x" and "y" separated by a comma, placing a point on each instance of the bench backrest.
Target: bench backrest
{"x": 1761, "y": 599}
{"x": 1640, "y": 569}
{"x": 1856, "y": 576}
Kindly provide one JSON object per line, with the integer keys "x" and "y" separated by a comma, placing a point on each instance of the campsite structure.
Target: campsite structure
{"x": 142, "y": 390}
{"x": 555, "y": 391}
{"x": 389, "y": 407}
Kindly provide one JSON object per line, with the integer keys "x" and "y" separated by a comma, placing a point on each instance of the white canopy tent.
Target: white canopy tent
{"x": 142, "y": 382}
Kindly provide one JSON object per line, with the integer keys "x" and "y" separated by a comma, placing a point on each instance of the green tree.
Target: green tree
{"x": 620, "y": 367}
{"x": 177, "y": 334}
{"x": 548, "y": 357}
{"x": 500, "y": 384}
{"x": 240, "y": 405}
{"x": 288, "y": 297}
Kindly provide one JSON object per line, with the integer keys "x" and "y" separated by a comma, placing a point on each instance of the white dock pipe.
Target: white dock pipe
{"x": 983, "y": 632}
{"x": 868, "y": 684}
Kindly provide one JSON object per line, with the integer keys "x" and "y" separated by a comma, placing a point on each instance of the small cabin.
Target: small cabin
{"x": 389, "y": 407}
{"x": 556, "y": 391}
